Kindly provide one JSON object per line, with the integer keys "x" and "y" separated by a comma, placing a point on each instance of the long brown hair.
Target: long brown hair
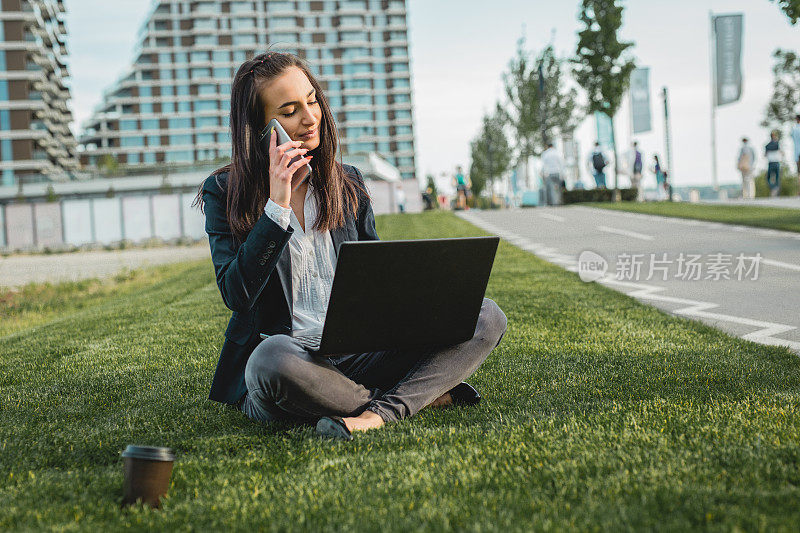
{"x": 336, "y": 192}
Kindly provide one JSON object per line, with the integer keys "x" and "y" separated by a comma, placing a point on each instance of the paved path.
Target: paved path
{"x": 762, "y": 306}
{"x": 787, "y": 202}
{"x": 17, "y": 270}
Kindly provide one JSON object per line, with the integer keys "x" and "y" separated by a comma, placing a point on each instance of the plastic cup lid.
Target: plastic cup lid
{"x": 148, "y": 453}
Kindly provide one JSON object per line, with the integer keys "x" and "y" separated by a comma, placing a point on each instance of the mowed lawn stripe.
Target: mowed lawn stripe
{"x": 599, "y": 413}
{"x": 779, "y": 218}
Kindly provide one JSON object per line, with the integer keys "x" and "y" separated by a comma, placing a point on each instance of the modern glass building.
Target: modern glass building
{"x": 173, "y": 104}
{"x": 36, "y": 143}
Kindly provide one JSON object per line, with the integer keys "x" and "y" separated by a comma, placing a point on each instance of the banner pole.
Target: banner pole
{"x": 712, "y": 57}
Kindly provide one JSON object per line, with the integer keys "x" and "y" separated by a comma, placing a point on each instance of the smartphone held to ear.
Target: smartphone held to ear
{"x": 303, "y": 173}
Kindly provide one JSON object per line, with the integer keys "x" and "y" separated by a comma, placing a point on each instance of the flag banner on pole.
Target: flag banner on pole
{"x": 603, "y": 129}
{"x": 728, "y": 58}
{"x": 640, "y": 100}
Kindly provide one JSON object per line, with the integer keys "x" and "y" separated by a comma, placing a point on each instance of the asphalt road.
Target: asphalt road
{"x": 743, "y": 280}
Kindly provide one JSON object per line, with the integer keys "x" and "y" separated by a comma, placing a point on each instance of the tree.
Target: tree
{"x": 538, "y": 116}
{"x": 108, "y": 164}
{"x": 602, "y": 67}
{"x": 791, "y": 8}
{"x": 782, "y": 108}
{"x": 490, "y": 151}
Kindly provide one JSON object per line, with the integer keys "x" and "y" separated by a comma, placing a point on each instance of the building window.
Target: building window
{"x": 206, "y": 105}
{"x": 180, "y": 123}
{"x": 206, "y": 88}
{"x": 276, "y": 7}
{"x": 207, "y": 122}
{"x": 359, "y": 115}
{"x": 353, "y": 36}
{"x": 205, "y": 24}
{"x": 281, "y": 23}
{"x": 128, "y": 125}
{"x": 241, "y": 7}
{"x": 358, "y": 99}
{"x": 205, "y": 40}
{"x": 238, "y": 24}
{"x": 180, "y": 156}
{"x": 239, "y": 40}
{"x": 137, "y": 141}
{"x": 222, "y": 73}
{"x": 358, "y": 68}
{"x": 205, "y": 137}
{"x": 179, "y": 140}
{"x": 150, "y": 124}
{"x": 208, "y": 8}
{"x": 356, "y": 84}
{"x": 153, "y": 140}
{"x": 361, "y": 147}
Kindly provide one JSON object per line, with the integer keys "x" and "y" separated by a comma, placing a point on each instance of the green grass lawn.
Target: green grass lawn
{"x": 599, "y": 413}
{"x": 744, "y": 215}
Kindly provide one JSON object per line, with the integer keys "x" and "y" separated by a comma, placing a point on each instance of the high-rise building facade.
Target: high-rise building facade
{"x": 173, "y": 104}
{"x": 36, "y": 143}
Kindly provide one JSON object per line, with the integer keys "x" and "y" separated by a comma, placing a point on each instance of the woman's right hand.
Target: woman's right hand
{"x": 280, "y": 171}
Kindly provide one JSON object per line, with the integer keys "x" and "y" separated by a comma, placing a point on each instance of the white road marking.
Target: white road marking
{"x": 783, "y": 234}
{"x": 626, "y": 233}
{"x": 693, "y": 308}
{"x": 781, "y": 264}
{"x": 551, "y": 216}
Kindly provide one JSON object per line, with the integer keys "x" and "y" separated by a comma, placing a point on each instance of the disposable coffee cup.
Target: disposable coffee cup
{"x": 147, "y": 473}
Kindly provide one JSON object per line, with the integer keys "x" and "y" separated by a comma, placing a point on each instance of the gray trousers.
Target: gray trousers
{"x": 553, "y": 189}
{"x": 286, "y": 382}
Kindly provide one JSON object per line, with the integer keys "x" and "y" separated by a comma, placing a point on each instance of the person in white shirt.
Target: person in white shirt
{"x": 796, "y": 140}
{"x": 552, "y": 170}
{"x": 745, "y": 162}
{"x": 272, "y": 231}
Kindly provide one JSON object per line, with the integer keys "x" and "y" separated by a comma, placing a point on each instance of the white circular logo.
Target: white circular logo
{"x": 591, "y": 266}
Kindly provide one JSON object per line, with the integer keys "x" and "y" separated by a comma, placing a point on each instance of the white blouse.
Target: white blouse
{"x": 313, "y": 263}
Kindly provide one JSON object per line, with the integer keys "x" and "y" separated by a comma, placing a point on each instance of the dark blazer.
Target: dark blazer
{"x": 261, "y": 301}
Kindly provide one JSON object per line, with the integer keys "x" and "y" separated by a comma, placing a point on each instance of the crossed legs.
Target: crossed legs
{"x": 285, "y": 382}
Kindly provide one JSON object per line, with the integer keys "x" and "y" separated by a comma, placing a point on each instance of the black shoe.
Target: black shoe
{"x": 333, "y": 427}
{"x": 464, "y": 394}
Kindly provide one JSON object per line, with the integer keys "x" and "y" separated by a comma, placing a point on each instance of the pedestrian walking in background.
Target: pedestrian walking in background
{"x": 745, "y": 162}
{"x": 661, "y": 179}
{"x": 774, "y": 155}
{"x": 400, "y": 198}
{"x": 552, "y": 169}
{"x": 597, "y": 163}
{"x": 636, "y": 165}
{"x": 796, "y": 139}
{"x": 462, "y": 188}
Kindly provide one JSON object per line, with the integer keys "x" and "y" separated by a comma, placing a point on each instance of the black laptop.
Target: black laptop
{"x": 403, "y": 294}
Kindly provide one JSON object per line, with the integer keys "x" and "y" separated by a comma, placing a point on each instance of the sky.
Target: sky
{"x": 460, "y": 48}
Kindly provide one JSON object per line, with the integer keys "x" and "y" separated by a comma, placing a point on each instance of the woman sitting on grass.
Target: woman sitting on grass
{"x": 271, "y": 236}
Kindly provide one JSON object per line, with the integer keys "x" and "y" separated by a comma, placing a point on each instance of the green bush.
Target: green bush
{"x": 788, "y": 186}
{"x": 576, "y": 196}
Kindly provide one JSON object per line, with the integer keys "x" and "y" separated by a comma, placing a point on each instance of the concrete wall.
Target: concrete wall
{"x": 34, "y": 226}
{"x": 31, "y": 226}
